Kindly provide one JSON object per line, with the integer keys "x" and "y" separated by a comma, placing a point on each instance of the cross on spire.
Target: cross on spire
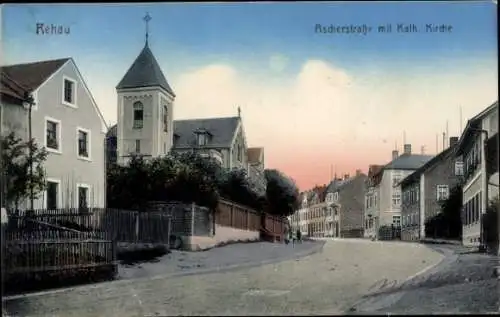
{"x": 146, "y": 19}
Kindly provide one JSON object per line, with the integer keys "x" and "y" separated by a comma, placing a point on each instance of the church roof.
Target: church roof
{"x": 145, "y": 72}
{"x": 221, "y": 130}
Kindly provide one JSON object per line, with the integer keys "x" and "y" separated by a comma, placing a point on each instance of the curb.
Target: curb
{"x": 233, "y": 267}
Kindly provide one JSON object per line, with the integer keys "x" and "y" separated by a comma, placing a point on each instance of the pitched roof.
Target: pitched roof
{"x": 222, "y": 131}
{"x": 402, "y": 162}
{"x": 471, "y": 124}
{"x": 408, "y": 162}
{"x": 112, "y": 131}
{"x": 374, "y": 169}
{"x": 320, "y": 191}
{"x": 11, "y": 88}
{"x": 32, "y": 75}
{"x": 334, "y": 185}
{"x": 145, "y": 72}
{"x": 429, "y": 164}
{"x": 254, "y": 154}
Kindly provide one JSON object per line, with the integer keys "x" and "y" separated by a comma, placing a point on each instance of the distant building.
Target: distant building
{"x": 425, "y": 189}
{"x": 386, "y": 185}
{"x": 478, "y": 148}
{"x": 372, "y": 200}
{"x": 345, "y": 206}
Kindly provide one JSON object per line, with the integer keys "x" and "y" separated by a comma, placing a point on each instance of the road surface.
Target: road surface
{"x": 323, "y": 283}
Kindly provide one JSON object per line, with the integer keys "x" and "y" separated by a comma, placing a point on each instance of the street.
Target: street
{"x": 327, "y": 282}
{"x": 461, "y": 283}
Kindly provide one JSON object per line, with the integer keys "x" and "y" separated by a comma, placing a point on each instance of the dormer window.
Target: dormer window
{"x": 202, "y": 139}
{"x": 138, "y": 115}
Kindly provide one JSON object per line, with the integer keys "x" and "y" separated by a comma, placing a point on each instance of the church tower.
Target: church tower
{"x": 145, "y": 108}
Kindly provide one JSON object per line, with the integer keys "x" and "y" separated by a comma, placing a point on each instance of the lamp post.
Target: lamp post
{"x": 482, "y": 245}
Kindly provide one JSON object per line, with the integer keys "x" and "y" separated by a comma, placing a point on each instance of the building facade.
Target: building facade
{"x": 67, "y": 122}
{"x": 371, "y": 201}
{"x": 479, "y": 153}
{"x": 425, "y": 190}
{"x": 345, "y": 206}
{"x": 388, "y": 186}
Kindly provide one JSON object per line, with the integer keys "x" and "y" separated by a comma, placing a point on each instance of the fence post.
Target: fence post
{"x": 192, "y": 218}
{"x": 136, "y": 227}
{"x": 169, "y": 226}
{"x": 231, "y": 216}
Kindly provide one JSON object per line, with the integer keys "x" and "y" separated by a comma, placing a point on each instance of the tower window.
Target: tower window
{"x": 165, "y": 118}
{"x": 138, "y": 115}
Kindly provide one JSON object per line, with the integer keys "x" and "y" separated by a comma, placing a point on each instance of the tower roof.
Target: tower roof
{"x": 145, "y": 72}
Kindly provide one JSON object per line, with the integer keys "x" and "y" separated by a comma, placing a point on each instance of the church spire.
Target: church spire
{"x": 146, "y": 19}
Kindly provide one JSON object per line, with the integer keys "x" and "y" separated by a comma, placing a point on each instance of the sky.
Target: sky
{"x": 319, "y": 103}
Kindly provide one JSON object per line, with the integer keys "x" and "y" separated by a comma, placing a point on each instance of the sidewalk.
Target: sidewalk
{"x": 218, "y": 259}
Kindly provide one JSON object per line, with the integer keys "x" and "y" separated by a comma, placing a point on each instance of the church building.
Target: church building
{"x": 146, "y": 126}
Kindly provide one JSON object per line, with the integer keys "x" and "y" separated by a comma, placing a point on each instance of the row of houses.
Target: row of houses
{"x": 409, "y": 189}
{"x": 67, "y": 122}
{"x": 334, "y": 210}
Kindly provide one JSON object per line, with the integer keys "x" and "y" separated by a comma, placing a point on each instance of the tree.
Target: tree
{"x": 282, "y": 195}
{"x": 449, "y": 222}
{"x": 235, "y": 186}
{"x": 490, "y": 225}
{"x": 20, "y": 181}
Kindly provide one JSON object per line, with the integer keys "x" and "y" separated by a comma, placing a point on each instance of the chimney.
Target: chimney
{"x": 407, "y": 149}
{"x": 395, "y": 154}
{"x": 358, "y": 172}
{"x": 453, "y": 141}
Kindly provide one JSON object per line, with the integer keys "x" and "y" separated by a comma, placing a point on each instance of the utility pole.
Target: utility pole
{"x": 31, "y": 102}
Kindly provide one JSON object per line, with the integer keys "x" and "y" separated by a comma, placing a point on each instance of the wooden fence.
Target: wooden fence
{"x": 37, "y": 242}
{"x": 135, "y": 227}
{"x": 230, "y": 214}
{"x": 240, "y": 217}
{"x": 47, "y": 240}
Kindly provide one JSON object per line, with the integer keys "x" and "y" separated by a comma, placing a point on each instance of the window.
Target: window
{"x": 138, "y": 115}
{"x": 329, "y": 197}
{"x": 239, "y": 153}
{"x": 202, "y": 139}
{"x": 137, "y": 146}
{"x": 396, "y": 199}
{"x": 335, "y": 196}
{"x": 83, "y": 143}
{"x": 459, "y": 168}
{"x": 442, "y": 192}
{"x": 69, "y": 87}
{"x": 52, "y": 194}
{"x": 396, "y": 220}
{"x": 396, "y": 178}
{"x": 83, "y": 197}
{"x": 165, "y": 118}
{"x": 477, "y": 208}
{"x": 53, "y": 135}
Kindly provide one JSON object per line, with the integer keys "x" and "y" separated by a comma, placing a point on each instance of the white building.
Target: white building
{"x": 67, "y": 122}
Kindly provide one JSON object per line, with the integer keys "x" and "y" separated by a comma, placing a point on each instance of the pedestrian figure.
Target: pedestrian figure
{"x": 299, "y": 236}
